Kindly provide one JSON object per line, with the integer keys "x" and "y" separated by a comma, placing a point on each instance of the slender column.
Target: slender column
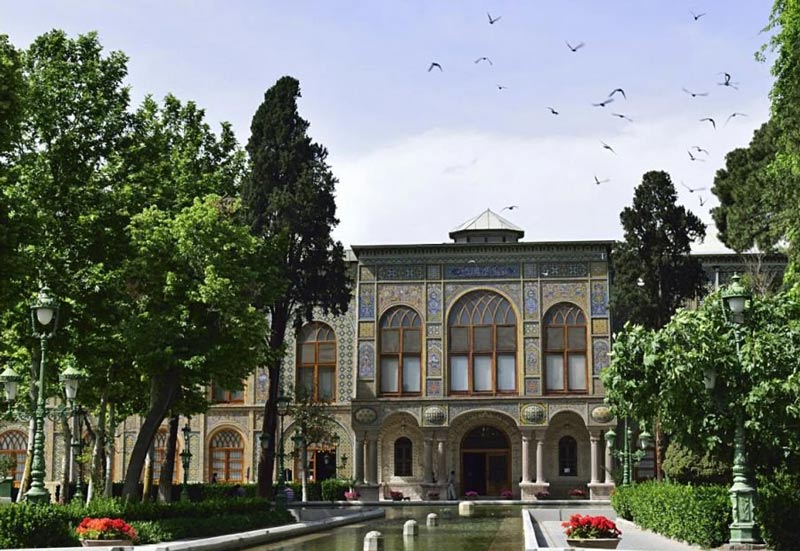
{"x": 526, "y": 460}
{"x": 593, "y": 439}
{"x": 427, "y": 459}
{"x": 540, "y": 459}
{"x": 441, "y": 465}
{"x": 372, "y": 456}
{"x": 359, "y": 459}
{"x": 608, "y": 479}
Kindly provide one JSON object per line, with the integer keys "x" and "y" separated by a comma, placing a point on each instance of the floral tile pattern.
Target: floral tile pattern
{"x": 434, "y": 302}
{"x": 532, "y": 357}
{"x": 599, "y": 298}
{"x": 366, "y": 360}
{"x": 366, "y": 302}
{"x": 434, "y": 358}
{"x": 600, "y": 359}
{"x": 402, "y": 272}
{"x": 410, "y": 295}
{"x": 433, "y": 387}
{"x": 531, "y": 300}
{"x": 576, "y": 292}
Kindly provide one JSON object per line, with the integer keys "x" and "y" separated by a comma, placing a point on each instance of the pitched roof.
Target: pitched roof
{"x": 487, "y": 220}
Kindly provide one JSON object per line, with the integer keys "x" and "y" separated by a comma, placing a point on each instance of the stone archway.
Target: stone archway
{"x": 485, "y": 461}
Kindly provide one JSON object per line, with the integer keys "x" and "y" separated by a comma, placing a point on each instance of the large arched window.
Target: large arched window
{"x": 160, "y": 448}
{"x": 567, "y": 456}
{"x": 316, "y": 363}
{"x": 482, "y": 345}
{"x": 14, "y": 444}
{"x": 565, "y": 349}
{"x": 227, "y": 456}
{"x": 401, "y": 347}
{"x": 402, "y": 457}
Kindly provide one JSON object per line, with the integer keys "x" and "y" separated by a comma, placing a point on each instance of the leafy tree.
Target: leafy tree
{"x": 316, "y": 427}
{"x": 289, "y": 201}
{"x": 654, "y": 273}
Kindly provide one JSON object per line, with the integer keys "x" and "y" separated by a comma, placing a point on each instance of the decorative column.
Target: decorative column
{"x": 609, "y": 466}
{"x": 540, "y": 459}
{"x": 427, "y": 459}
{"x": 593, "y": 439}
{"x": 372, "y": 456}
{"x": 441, "y": 463}
{"x": 526, "y": 461}
{"x": 359, "y": 460}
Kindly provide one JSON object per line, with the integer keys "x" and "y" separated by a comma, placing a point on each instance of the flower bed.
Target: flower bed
{"x": 105, "y": 529}
{"x": 590, "y": 527}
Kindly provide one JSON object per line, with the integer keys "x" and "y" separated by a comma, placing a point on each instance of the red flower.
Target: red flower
{"x": 589, "y": 527}
{"x": 105, "y": 529}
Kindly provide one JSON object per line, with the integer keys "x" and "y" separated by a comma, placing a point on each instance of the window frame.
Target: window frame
{"x": 396, "y": 316}
{"x": 14, "y": 436}
{"x": 562, "y": 312}
{"x": 315, "y": 329}
{"x": 403, "y": 456}
{"x": 227, "y": 395}
{"x": 475, "y": 300}
{"x": 224, "y": 476}
{"x": 568, "y": 456}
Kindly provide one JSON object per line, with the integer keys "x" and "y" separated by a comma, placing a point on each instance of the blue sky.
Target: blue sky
{"x": 419, "y": 152}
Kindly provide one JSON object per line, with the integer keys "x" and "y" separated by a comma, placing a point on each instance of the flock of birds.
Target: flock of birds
{"x": 694, "y": 157}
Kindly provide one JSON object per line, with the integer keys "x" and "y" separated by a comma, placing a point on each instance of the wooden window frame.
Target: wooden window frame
{"x": 492, "y": 352}
{"x": 404, "y": 456}
{"x": 15, "y": 453}
{"x": 160, "y": 455}
{"x": 571, "y": 462}
{"x": 224, "y": 476}
{"x": 562, "y": 310}
{"x": 391, "y": 316}
{"x": 227, "y": 395}
{"x": 316, "y": 365}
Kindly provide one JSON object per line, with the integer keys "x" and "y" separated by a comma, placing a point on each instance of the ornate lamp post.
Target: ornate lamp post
{"x": 335, "y": 439}
{"x": 735, "y": 299}
{"x": 628, "y": 455}
{"x": 71, "y": 378}
{"x": 186, "y": 459}
{"x": 280, "y": 493}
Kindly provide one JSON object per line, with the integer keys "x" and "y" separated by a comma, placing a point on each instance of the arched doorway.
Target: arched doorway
{"x": 485, "y": 461}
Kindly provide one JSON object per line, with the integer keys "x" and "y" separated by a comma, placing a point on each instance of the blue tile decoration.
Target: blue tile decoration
{"x": 411, "y": 294}
{"x": 530, "y": 270}
{"x": 599, "y": 298}
{"x": 481, "y": 271}
{"x": 600, "y": 359}
{"x": 553, "y": 293}
{"x": 401, "y": 272}
{"x": 366, "y": 302}
{"x": 434, "y": 358}
{"x": 367, "y": 273}
{"x": 366, "y": 360}
{"x": 532, "y": 357}
{"x": 434, "y": 271}
{"x": 531, "y": 300}
{"x": 513, "y": 291}
{"x": 533, "y": 387}
{"x": 434, "y": 331}
{"x": 563, "y": 269}
{"x": 434, "y": 302}
{"x": 530, "y": 329}
{"x": 433, "y": 387}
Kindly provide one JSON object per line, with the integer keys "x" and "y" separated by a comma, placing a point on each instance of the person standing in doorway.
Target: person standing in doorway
{"x": 451, "y": 485}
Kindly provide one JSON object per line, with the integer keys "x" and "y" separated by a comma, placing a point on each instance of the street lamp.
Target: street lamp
{"x": 335, "y": 439}
{"x": 743, "y": 529}
{"x": 283, "y": 402}
{"x": 71, "y": 378}
{"x": 186, "y": 459}
{"x": 627, "y": 454}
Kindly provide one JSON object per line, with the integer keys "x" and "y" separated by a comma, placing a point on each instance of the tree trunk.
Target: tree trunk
{"x": 266, "y": 465}
{"x": 163, "y": 394}
{"x": 68, "y": 462}
{"x": 108, "y": 490}
{"x": 168, "y": 467}
{"x": 96, "y": 467}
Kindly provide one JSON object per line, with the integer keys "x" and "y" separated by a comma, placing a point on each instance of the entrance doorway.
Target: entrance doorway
{"x": 485, "y": 461}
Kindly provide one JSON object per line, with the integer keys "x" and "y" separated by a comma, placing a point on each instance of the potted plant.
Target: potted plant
{"x": 352, "y": 495}
{"x": 593, "y": 532}
{"x": 577, "y": 493}
{"x": 471, "y": 493}
{"x": 7, "y": 464}
{"x": 506, "y": 494}
{"x": 105, "y": 532}
{"x": 396, "y": 496}
{"x": 544, "y": 494}
{"x": 433, "y": 496}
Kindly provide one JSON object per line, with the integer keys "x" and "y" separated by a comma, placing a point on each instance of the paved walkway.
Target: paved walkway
{"x": 633, "y": 537}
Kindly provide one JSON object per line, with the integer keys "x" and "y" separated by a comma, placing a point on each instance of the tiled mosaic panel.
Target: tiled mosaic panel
{"x": 531, "y": 300}
{"x": 599, "y": 269}
{"x": 366, "y": 360}
{"x": 262, "y": 386}
{"x": 434, "y": 302}
{"x": 553, "y": 293}
{"x": 600, "y": 358}
{"x": 195, "y": 468}
{"x": 434, "y": 331}
{"x": 531, "y": 329}
{"x": 600, "y": 326}
{"x": 409, "y": 295}
{"x": 366, "y": 302}
{"x": 366, "y": 329}
{"x": 599, "y": 298}
{"x": 404, "y": 272}
{"x": 563, "y": 269}
{"x": 433, "y": 387}
{"x": 434, "y": 271}
{"x": 530, "y": 270}
{"x": 366, "y": 273}
{"x": 481, "y": 271}
{"x": 434, "y": 358}
{"x": 532, "y": 357}
{"x": 454, "y": 290}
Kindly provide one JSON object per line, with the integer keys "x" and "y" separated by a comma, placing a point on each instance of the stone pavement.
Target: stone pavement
{"x": 633, "y": 537}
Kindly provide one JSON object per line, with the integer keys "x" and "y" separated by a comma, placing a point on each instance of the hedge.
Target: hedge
{"x": 778, "y": 510}
{"x": 333, "y": 489}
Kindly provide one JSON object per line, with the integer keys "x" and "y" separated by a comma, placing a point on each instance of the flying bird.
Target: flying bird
{"x": 734, "y": 115}
{"x": 509, "y": 207}
{"x": 606, "y": 146}
{"x": 598, "y": 182}
{"x": 501, "y": 87}
{"x": 620, "y": 90}
{"x": 553, "y": 111}
{"x": 621, "y": 116}
{"x": 577, "y": 47}
{"x": 692, "y": 157}
{"x": 702, "y": 201}
{"x": 727, "y": 81}
{"x": 692, "y": 190}
{"x": 696, "y": 15}
{"x": 434, "y": 64}
{"x": 493, "y": 20}
{"x": 700, "y": 149}
{"x": 695, "y": 94}
{"x": 709, "y": 119}
{"x": 604, "y": 102}
{"x": 484, "y": 58}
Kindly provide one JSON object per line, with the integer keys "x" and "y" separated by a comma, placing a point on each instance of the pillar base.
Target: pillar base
{"x": 368, "y": 492}
{"x": 600, "y": 490}
{"x": 528, "y": 490}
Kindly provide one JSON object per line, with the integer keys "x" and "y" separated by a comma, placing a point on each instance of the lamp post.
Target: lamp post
{"x": 71, "y": 378}
{"x": 743, "y": 529}
{"x": 627, "y": 455}
{"x": 280, "y": 495}
{"x": 335, "y": 439}
{"x": 299, "y": 440}
{"x": 186, "y": 459}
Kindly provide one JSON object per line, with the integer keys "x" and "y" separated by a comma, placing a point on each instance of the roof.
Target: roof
{"x": 487, "y": 220}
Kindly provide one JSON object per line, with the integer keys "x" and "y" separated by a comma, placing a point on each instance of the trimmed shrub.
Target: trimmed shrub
{"x": 333, "y": 489}
{"x": 182, "y": 528}
{"x": 695, "y": 514}
{"x": 314, "y": 490}
{"x": 684, "y": 466}
{"x": 778, "y": 510}
{"x": 26, "y": 525}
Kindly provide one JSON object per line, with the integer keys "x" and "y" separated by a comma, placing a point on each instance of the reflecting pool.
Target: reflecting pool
{"x": 493, "y": 528}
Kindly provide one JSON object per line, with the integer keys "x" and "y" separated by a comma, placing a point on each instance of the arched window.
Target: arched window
{"x": 402, "y": 457}
{"x": 160, "y": 457}
{"x": 482, "y": 345}
{"x": 14, "y": 444}
{"x": 565, "y": 349}
{"x": 401, "y": 347}
{"x": 567, "y": 456}
{"x": 316, "y": 363}
{"x": 227, "y": 456}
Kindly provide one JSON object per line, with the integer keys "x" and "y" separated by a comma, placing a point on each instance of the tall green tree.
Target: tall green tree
{"x": 654, "y": 273}
{"x": 289, "y": 201}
